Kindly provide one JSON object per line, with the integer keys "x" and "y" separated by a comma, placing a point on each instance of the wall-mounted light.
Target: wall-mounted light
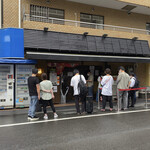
{"x": 40, "y": 71}
{"x": 134, "y": 38}
{"x": 45, "y": 29}
{"x": 85, "y": 33}
{"x": 104, "y": 36}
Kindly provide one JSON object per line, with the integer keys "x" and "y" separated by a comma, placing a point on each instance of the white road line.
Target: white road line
{"x": 72, "y": 118}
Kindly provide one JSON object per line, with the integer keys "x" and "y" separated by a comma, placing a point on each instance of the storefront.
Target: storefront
{"x": 58, "y": 54}
{"x": 61, "y": 72}
{"x": 62, "y": 52}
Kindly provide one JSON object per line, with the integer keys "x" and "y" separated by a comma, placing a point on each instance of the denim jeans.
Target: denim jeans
{"x": 99, "y": 94}
{"x": 90, "y": 91}
{"x": 32, "y": 106}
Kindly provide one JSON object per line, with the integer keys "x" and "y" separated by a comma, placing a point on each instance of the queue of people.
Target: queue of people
{"x": 43, "y": 91}
{"x": 124, "y": 81}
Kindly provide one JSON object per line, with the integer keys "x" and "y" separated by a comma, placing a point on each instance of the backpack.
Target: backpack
{"x": 137, "y": 83}
{"x": 82, "y": 88}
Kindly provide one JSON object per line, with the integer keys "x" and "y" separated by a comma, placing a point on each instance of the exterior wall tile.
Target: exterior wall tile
{"x": 10, "y": 13}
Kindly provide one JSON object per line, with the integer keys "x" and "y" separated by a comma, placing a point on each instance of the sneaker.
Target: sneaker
{"x": 102, "y": 109}
{"x": 111, "y": 109}
{"x": 34, "y": 118}
{"x": 45, "y": 117}
{"x": 29, "y": 117}
{"x": 55, "y": 116}
{"x": 83, "y": 113}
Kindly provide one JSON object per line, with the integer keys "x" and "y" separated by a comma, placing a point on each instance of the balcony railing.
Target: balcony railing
{"x": 28, "y": 17}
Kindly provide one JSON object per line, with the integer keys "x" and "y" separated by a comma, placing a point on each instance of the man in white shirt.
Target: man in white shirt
{"x": 74, "y": 83}
{"x": 133, "y": 92}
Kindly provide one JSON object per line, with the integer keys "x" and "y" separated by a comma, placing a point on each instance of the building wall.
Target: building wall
{"x": 141, "y": 72}
{"x": 72, "y": 11}
{"x": 0, "y": 14}
{"x": 111, "y": 16}
{"x": 10, "y": 13}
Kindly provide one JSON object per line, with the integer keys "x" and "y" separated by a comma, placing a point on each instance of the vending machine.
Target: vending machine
{"x": 6, "y": 86}
{"x": 22, "y": 93}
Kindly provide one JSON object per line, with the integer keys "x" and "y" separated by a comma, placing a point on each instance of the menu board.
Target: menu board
{"x": 22, "y": 93}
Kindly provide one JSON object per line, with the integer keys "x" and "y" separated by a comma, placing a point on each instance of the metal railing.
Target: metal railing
{"x": 28, "y": 17}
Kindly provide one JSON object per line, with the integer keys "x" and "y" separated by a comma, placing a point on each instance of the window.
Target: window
{"x": 45, "y": 14}
{"x": 95, "y": 19}
{"x": 148, "y": 27}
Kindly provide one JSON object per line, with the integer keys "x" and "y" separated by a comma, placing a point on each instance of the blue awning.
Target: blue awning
{"x": 17, "y": 61}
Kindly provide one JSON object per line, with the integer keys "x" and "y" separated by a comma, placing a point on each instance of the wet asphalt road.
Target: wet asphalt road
{"x": 115, "y": 132}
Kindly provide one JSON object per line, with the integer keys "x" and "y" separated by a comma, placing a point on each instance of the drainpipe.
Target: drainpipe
{"x": 1, "y": 13}
{"x": 19, "y": 2}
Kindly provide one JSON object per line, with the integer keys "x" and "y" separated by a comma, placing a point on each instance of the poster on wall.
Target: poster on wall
{"x": 53, "y": 78}
{"x": 55, "y": 89}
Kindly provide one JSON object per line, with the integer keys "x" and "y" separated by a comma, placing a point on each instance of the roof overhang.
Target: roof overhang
{"x": 80, "y": 57}
{"x": 115, "y": 4}
{"x": 58, "y": 42}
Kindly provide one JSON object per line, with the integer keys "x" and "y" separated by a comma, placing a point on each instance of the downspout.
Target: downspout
{"x": 1, "y": 14}
{"x": 19, "y": 17}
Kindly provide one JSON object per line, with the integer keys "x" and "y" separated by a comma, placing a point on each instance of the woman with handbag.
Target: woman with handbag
{"x": 47, "y": 95}
{"x": 107, "y": 83}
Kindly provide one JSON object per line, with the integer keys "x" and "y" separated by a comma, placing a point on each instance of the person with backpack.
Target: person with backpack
{"x": 107, "y": 83}
{"x": 132, "y": 93}
{"x": 78, "y": 83}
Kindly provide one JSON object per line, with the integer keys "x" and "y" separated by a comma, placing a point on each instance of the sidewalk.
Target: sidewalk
{"x": 68, "y": 108}
{"x": 19, "y": 111}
